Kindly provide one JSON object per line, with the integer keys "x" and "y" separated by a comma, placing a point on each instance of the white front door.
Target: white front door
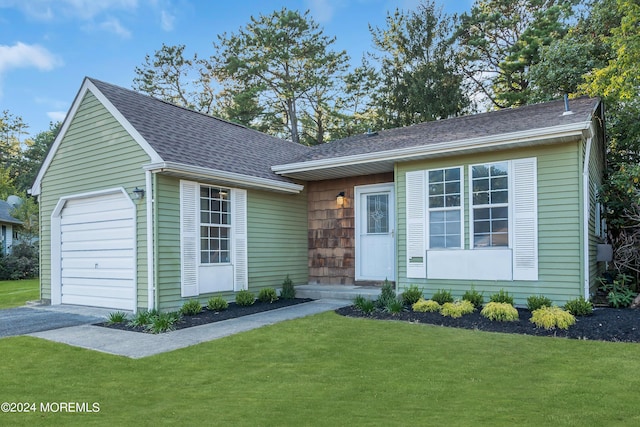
{"x": 375, "y": 232}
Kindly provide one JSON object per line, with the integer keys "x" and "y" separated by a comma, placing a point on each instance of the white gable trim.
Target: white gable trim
{"x": 88, "y": 86}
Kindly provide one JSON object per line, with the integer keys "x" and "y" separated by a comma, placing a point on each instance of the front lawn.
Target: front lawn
{"x": 331, "y": 370}
{"x": 15, "y": 293}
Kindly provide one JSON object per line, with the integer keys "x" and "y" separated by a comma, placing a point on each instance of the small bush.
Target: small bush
{"x": 425, "y": 306}
{"x": 116, "y": 317}
{"x": 245, "y": 298}
{"x": 394, "y": 306}
{"x": 579, "y": 307}
{"x": 500, "y": 311}
{"x": 363, "y": 304}
{"x": 387, "y": 295}
{"x": 474, "y": 297}
{"x": 267, "y": 295}
{"x": 411, "y": 295}
{"x": 552, "y": 317}
{"x": 457, "y": 309}
{"x": 191, "y": 308}
{"x": 535, "y": 302}
{"x": 442, "y": 297}
{"x": 163, "y": 322}
{"x": 502, "y": 296}
{"x": 217, "y": 304}
{"x": 142, "y": 318}
{"x": 288, "y": 290}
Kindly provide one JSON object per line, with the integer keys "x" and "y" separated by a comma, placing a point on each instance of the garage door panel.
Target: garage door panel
{"x": 97, "y": 246}
{"x": 97, "y": 241}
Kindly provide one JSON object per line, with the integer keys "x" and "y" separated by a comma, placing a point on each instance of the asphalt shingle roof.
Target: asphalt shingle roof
{"x": 5, "y": 213}
{"x": 499, "y": 122}
{"x": 184, "y": 136}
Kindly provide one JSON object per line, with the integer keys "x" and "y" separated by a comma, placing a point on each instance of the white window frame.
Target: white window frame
{"x": 228, "y": 226}
{"x": 445, "y": 209}
{"x": 508, "y": 205}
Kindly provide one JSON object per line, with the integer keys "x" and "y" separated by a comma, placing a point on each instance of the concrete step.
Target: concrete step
{"x": 339, "y": 292}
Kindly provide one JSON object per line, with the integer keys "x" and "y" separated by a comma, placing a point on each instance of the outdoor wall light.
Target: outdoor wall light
{"x": 138, "y": 193}
{"x": 340, "y": 199}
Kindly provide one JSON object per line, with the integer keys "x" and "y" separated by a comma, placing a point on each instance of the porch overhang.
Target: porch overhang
{"x": 220, "y": 177}
{"x": 384, "y": 161}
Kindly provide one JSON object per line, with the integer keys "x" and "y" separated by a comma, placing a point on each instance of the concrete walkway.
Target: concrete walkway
{"x": 137, "y": 345}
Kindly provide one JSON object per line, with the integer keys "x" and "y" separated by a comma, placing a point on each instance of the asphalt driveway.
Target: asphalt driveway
{"x": 29, "y": 319}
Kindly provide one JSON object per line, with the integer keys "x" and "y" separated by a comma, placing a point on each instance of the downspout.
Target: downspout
{"x": 150, "y": 248}
{"x": 586, "y": 216}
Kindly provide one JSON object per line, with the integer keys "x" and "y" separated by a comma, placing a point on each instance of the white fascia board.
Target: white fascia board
{"x": 87, "y": 86}
{"x": 507, "y": 139}
{"x": 196, "y": 172}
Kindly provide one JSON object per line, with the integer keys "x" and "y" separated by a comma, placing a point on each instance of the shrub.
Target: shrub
{"x": 501, "y": 311}
{"x": 474, "y": 297}
{"x": 288, "y": 290}
{"x": 502, "y": 296}
{"x": 116, "y": 317}
{"x": 21, "y": 263}
{"x": 163, "y": 322}
{"x": 387, "y": 295}
{"x": 244, "y": 298}
{"x": 217, "y": 304}
{"x": 618, "y": 290}
{"x": 191, "y": 308}
{"x": 394, "y": 306}
{"x": 552, "y": 317}
{"x": 267, "y": 295}
{"x": 535, "y": 302}
{"x": 142, "y": 318}
{"x": 457, "y": 309}
{"x": 442, "y": 297}
{"x": 579, "y": 307}
{"x": 425, "y": 306}
{"x": 411, "y": 295}
{"x": 363, "y": 304}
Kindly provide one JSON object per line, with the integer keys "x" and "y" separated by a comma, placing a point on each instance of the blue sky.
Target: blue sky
{"x": 48, "y": 46}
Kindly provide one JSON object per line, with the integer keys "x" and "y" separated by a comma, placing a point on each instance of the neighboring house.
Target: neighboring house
{"x": 144, "y": 204}
{"x": 8, "y": 227}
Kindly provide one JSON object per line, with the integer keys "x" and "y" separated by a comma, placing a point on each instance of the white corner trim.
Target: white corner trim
{"x": 151, "y": 260}
{"x": 88, "y": 86}
{"x": 198, "y": 172}
{"x": 586, "y": 199}
{"x": 508, "y": 139}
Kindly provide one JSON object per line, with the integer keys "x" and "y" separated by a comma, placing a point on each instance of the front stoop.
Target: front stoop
{"x": 339, "y": 292}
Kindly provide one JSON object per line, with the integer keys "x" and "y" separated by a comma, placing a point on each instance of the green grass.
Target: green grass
{"x": 14, "y": 293}
{"x": 334, "y": 371}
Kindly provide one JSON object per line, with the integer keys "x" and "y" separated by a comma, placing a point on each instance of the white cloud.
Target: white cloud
{"x": 113, "y": 25}
{"x": 322, "y": 10}
{"x": 57, "y": 116}
{"x": 47, "y": 10}
{"x": 166, "y": 20}
{"x": 22, "y": 55}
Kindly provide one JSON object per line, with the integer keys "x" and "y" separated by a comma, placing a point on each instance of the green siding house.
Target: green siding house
{"x": 144, "y": 204}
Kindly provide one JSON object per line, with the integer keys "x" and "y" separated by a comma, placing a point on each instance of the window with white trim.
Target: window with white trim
{"x": 445, "y": 207}
{"x": 215, "y": 225}
{"x": 490, "y": 205}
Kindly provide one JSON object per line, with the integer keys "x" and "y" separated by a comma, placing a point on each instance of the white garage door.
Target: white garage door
{"x": 97, "y": 237}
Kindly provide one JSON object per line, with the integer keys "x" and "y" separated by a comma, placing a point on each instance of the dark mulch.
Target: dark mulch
{"x": 605, "y": 324}
{"x": 209, "y": 316}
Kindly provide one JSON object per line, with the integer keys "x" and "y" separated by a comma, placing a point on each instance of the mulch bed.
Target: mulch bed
{"x": 208, "y": 316}
{"x": 605, "y": 324}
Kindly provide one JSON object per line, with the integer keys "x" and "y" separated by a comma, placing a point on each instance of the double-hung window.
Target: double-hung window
{"x": 445, "y": 208}
{"x": 215, "y": 225}
{"x": 490, "y": 205}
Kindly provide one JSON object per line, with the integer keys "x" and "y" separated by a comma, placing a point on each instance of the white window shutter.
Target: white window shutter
{"x": 525, "y": 219}
{"x": 416, "y": 225}
{"x": 240, "y": 264}
{"x": 188, "y": 238}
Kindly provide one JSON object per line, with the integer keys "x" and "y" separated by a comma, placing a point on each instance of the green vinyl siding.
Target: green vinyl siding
{"x": 559, "y": 227}
{"x": 96, "y": 153}
{"x": 276, "y": 233}
{"x": 596, "y": 168}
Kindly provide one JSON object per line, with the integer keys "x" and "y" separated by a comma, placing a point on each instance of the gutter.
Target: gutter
{"x": 232, "y": 178}
{"x": 514, "y": 138}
